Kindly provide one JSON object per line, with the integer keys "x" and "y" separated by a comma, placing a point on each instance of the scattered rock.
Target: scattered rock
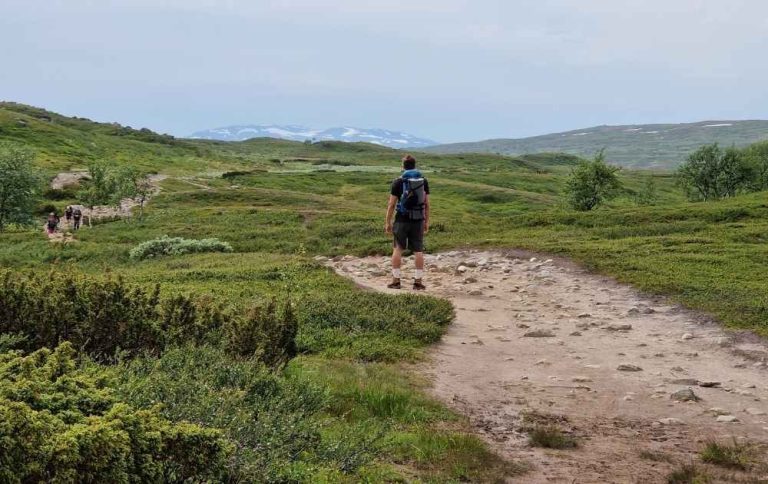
{"x": 576, "y": 333}
{"x": 754, "y": 411}
{"x": 476, "y": 292}
{"x": 686, "y": 337}
{"x": 539, "y": 333}
{"x": 727, "y": 419}
{"x": 581, "y": 379}
{"x": 670, "y": 421}
{"x": 717, "y": 411}
{"x": 678, "y": 369}
{"x": 709, "y": 384}
{"x": 685, "y": 395}
{"x": 543, "y": 363}
{"x": 461, "y": 269}
{"x": 618, "y": 327}
{"x": 470, "y": 280}
{"x": 523, "y": 326}
{"x": 627, "y": 367}
{"x": 584, "y": 315}
{"x": 685, "y": 381}
{"x": 633, "y": 311}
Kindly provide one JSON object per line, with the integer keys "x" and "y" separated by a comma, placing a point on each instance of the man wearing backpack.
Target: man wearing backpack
{"x": 409, "y": 203}
{"x": 77, "y": 214}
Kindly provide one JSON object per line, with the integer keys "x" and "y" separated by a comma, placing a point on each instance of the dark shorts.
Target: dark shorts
{"x": 409, "y": 234}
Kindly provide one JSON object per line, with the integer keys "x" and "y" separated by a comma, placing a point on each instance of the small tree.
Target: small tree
{"x": 102, "y": 187}
{"x": 647, "y": 195}
{"x": 756, "y": 156}
{"x": 136, "y": 185}
{"x": 591, "y": 183}
{"x": 711, "y": 173}
{"x": 19, "y": 185}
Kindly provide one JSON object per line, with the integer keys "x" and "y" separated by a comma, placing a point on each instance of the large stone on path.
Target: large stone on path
{"x": 539, "y": 333}
{"x": 685, "y": 395}
{"x": 727, "y": 419}
{"x": 628, "y": 367}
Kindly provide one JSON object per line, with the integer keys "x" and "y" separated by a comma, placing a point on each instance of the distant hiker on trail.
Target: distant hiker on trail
{"x": 77, "y": 214}
{"x": 409, "y": 203}
{"x": 68, "y": 214}
{"x": 52, "y": 223}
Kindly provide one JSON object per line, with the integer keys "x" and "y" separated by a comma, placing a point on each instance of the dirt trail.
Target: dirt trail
{"x": 547, "y": 336}
{"x": 66, "y": 178}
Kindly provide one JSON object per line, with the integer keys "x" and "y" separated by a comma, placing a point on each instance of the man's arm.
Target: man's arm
{"x": 390, "y": 212}
{"x": 426, "y": 213}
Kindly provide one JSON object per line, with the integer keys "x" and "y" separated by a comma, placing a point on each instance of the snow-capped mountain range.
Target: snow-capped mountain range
{"x": 383, "y": 137}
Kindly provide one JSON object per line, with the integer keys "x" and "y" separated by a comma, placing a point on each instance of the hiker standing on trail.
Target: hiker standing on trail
{"x": 68, "y": 214}
{"x": 77, "y": 214}
{"x": 409, "y": 203}
{"x": 51, "y": 223}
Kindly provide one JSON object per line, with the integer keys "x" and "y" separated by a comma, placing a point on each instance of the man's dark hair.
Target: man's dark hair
{"x": 409, "y": 162}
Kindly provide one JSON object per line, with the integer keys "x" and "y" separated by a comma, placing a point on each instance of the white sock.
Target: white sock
{"x": 396, "y": 273}
{"x": 418, "y": 274}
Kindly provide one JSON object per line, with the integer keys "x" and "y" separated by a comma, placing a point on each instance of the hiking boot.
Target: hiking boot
{"x": 418, "y": 286}
{"x": 395, "y": 284}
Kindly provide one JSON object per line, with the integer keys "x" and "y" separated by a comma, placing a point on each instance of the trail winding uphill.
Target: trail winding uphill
{"x": 630, "y": 376}
{"x": 67, "y": 178}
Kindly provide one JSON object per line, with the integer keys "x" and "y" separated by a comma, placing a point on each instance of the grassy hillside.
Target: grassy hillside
{"x": 67, "y": 143}
{"x": 638, "y": 146}
{"x": 344, "y": 410}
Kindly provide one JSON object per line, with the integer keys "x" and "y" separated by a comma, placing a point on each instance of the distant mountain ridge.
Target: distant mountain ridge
{"x": 636, "y": 145}
{"x": 383, "y": 137}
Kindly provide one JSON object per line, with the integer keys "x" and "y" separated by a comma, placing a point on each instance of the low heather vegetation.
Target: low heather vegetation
{"x": 177, "y": 246}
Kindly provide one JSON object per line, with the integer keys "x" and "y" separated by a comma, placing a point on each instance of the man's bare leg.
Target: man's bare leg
{"x": 397, "y": 262}
{"x": 417, "y": 282}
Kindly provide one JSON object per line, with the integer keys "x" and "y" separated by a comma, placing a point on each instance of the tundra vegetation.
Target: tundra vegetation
{"x": 252, "y": 362}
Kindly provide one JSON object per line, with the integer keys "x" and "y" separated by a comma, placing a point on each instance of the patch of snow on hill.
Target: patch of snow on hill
{"x": 382, "y": 137}
{"x": 717, "y": 125}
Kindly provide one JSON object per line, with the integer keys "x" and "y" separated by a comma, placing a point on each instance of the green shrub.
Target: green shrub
{"x": 711, "y": 173}
{"x": 59, "y": 423}
{"x": 264, "y": 332}
{"x": 67, "y": 193}
{"x": 689, "y": 474}
{"x": 735, "y": 455}
{"x": 591, "y": 183}
{"x": 273, "y": 421}
{"x": 100, "y": 316}
{"x": 371, "y": 326}
{"x": 176, "y": 246}
{"x": 45, "y": 208}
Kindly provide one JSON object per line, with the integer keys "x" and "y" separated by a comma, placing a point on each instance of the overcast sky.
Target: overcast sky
{"x": 450, "y": 70}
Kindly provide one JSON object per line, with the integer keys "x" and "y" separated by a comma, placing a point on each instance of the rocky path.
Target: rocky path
{"x": 629, "y": 376}
{"x": 67, "y": 178}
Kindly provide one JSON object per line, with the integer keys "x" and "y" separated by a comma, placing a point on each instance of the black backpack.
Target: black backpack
{"x": 414, "y": 197}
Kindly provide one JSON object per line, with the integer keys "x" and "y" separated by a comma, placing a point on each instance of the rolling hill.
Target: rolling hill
{"x": 640, "y": 145}
{"x": 383, "y": 137}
